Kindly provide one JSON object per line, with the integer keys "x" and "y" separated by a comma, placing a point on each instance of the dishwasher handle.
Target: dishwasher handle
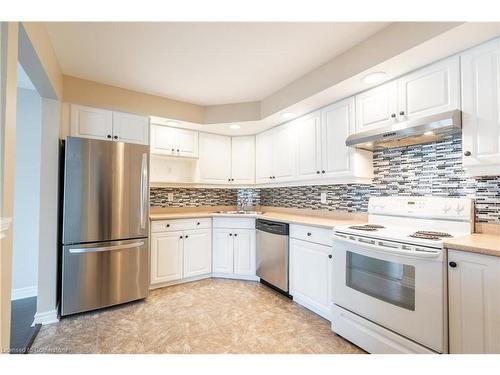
{"x": 272, "y": 227}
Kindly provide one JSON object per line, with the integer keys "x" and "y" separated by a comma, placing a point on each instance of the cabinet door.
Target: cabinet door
{"x": 130, "y": 128}
{"x": 481, "y": 107}
{"x": 215, "y": 158}
{"x": 243, "y": 160}
{"x": 311, "y": 275}
{"x": 222, "y": 251}
{"x": 337, "y": 123}
{"x": 197, "y": 252}
{"x": 430, "y": 90}
{"x": 285, "y": 152}
{"x": 166, "y": 257}
{"x": 162, "y": 140}
{"x": 474, "y": 303}
{"x": 264, "y": 156}
{"x": 309, "y": 146}
{"x": 377, "y": 107}
{"x": 91, "y": 122}
{"x": 186, "y": 143}
{"x": 244, "y": 252}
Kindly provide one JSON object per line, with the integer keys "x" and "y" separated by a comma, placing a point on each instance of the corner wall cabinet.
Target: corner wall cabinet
{"x": 474, "y": 302}
{"x": 107, "y": 125}
{"x": 480, "y": 69}
{"x": 180, "y": 250}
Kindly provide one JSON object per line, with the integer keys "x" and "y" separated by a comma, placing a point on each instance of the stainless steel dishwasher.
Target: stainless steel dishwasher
{"x": 272, "y": 253}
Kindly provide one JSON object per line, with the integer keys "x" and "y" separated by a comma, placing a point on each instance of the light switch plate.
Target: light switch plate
{"x": 170, "y": 197}
{"x": 323, "y": 198}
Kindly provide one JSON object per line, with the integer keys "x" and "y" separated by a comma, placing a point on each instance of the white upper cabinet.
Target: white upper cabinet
{"x": 284, "y": 153}
{"x": 91, "y": 122}
{"x": 264, "y": 156}
{"x": 432, "y": 89}
{"x": 309, "y": 146}
{"x": 336, "y": 125}
{"x": 215, "y": 159}
{"x": 474, "y": 302}
{"x": 102, "y": 124}
{"x": 174, "y": 141}
{"x": 480, "y": 68}
{"x": 243, "y": 160}
{"x": 377, "y": 107}
{"x": 130, "y": 128}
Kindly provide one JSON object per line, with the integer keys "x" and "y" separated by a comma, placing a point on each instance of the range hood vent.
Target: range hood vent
{"x": 423, "y": 130}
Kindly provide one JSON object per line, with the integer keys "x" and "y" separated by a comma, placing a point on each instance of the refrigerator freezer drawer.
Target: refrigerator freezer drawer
{"x": 103, "y": 274}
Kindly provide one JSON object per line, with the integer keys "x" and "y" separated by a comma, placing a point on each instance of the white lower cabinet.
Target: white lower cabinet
{"x": 474, "y": 302}
{"x": 180, "y": 254}
{"x": 234, "y": 248}
{"x": 311, "y": 269}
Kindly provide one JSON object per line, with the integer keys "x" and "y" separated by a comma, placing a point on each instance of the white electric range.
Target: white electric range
{"x": 389, "y": 276}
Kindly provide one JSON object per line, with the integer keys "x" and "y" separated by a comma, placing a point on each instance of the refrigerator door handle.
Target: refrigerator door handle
{"x": 144, "y": 176}
{"x": 105, "y": 248}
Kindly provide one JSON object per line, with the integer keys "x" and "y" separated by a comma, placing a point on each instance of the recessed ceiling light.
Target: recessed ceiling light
{"x": 288, "y": 115}
{"x": 234, "y": 126}
{"x": 429, "y": 133}
{"x": 374, "y": 77}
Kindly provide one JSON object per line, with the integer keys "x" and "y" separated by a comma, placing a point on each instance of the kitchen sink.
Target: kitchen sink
{"x": 241, "y": 212}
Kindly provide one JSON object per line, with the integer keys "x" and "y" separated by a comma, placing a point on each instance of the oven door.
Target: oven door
{"x": 400, "y": 290}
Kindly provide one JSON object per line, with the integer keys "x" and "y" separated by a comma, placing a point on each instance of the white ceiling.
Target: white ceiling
{"x": 202, "y": 63}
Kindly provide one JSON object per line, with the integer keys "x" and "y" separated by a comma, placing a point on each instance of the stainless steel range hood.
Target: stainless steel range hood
{"x": 423, "y": 130}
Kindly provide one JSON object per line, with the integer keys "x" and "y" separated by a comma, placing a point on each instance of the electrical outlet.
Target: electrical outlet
{"x": 170, "y": 197}
{"x": 323, "y": 198}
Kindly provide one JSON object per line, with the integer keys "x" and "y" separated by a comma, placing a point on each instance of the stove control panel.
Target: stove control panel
{"x": 424, "y": 207}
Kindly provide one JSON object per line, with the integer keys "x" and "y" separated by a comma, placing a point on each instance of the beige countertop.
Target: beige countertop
{"x": 292, "y": 218}
{"x": 481, "y": 243}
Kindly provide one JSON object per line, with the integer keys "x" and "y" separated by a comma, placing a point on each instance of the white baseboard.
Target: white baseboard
{"x": 47, "y": 317}
{"x": 29, "y": 291}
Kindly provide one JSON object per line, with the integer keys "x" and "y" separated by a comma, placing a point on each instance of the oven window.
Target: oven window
{"x": 387, "y": 281}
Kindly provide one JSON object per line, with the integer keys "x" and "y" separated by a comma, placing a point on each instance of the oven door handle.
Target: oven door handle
{"x": 388, "y": 250}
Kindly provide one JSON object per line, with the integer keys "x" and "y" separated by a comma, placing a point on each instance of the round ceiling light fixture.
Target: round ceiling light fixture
{"x": 374, "y": 77}
{"x": 288, "y": 115}
{"x": 234, "y": 126}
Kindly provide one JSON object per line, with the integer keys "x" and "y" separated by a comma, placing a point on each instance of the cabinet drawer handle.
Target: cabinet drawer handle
{"x": 467, "y": 153}
{"x": 330, "y": 256}
{"x": 452, "y": 264}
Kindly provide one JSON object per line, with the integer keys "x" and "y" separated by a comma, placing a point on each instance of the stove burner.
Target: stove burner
{"x": 430, "y": 235}
{"x": 367, "y": 227}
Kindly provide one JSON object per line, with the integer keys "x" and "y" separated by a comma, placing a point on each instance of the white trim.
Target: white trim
{"x": 47, "y": 317}
{"x": 19, "y": 293}
{"x": 180, "y": 281}
{"x": 217, "y": 275}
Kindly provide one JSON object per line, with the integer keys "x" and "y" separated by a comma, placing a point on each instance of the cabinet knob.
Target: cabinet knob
{"x": 168, "y": 225}
{"x": 317, "y": 172}
{"x": 173, "y": 149}
{"x": 309, "y": 234}
{"x": 177, "y": 150}
{"x": 236, "y": 234}
{"x": 452, "y": 264}
{"x": 180, "y": 237}
{"x": 402, "y": 113}
{"x": 393, "y": 115}
{"x": 330, "y": 256}
{"x": 322, "y": 171}
{"x": 198, "y": 223}
{"x": 115, "y": 137}
{"x": 109, "y": 136}
{"x": 230, "y": 234}
{"x": 467, "y": 153}
{"x": 186, "y": 236}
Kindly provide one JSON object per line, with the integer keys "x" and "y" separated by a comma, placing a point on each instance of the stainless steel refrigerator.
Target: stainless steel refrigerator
{"x": 105, "y": 252}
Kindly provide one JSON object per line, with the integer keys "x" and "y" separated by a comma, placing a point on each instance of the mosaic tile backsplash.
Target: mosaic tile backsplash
{"x": 429, "y": 169}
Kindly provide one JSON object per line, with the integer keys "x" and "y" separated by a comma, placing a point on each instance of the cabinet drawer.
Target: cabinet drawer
{"x": 234, "y": 222}
{"x": 321, "y": 236}
{"x": 180, "y": 224}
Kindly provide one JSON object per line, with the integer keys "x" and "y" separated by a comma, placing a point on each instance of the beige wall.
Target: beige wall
{"x": 9, "y": 97}
{"x": 40, "y": 40}
{"x": 81, "y": 91}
